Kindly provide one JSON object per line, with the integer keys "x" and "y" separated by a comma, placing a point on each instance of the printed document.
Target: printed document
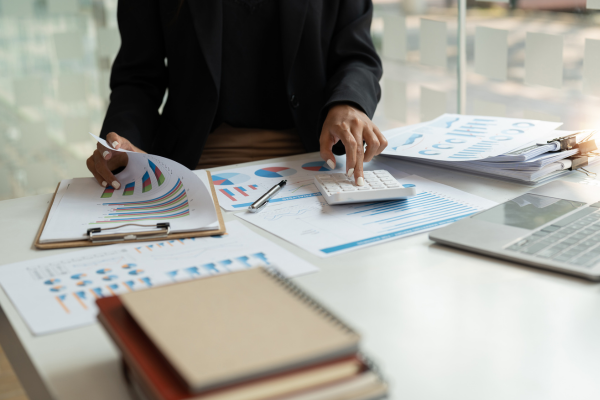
{"x": 454, "y": 137}
{"x": 153, "y": 189}
{"x": 326, "y": 230}
{"x": 59, "y": 292}
{"x": 238, "y": 188}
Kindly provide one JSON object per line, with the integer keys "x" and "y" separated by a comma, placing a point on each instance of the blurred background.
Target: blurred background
{"x": 525, "y": 58}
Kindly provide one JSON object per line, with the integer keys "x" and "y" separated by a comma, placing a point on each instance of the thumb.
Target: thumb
{"x": 326, "y": 144}
{"x": 118, "y": 142}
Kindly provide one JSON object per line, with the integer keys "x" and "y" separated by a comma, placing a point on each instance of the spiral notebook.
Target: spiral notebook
{"x": 237, "y": 327}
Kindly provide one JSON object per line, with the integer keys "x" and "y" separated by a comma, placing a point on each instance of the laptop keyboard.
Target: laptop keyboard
{"x": 573, "y": 240}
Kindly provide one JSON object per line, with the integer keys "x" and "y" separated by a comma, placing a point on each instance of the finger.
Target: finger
{"x": 119, "y": 142}
{"x": 358, "y": 169}
{"x": 383, "y": 143}
{"x": 104, "y": 171}
{"x": 326, "y": 142}
{"x": 104, "y": 151}
{"x": 92, "y": 167}
{"x": 372, "y": 144}
{"x": 350, "y": 144}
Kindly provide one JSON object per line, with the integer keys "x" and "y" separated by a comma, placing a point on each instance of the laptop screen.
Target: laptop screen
{"x": 529, "y": 211}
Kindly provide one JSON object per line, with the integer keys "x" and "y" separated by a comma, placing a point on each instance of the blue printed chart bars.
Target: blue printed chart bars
{"x": 60, "y": 291}
{"x": 453, "y": 137}
{"x": 337, "y": 229}
{"x": 240, "y": 187}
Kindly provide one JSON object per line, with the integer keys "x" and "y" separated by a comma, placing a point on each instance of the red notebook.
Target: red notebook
{"x": 147, "y": 362}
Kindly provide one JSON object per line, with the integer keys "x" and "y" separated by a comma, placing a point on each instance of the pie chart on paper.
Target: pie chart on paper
{"x": 316, "y": 166}
{"x": 229, "y": 178}
{"x": 275, "y": 172}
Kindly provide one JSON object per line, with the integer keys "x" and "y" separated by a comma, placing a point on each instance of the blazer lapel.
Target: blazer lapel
{"x": 293, "y": 13}
{"x": 208, "y": 21}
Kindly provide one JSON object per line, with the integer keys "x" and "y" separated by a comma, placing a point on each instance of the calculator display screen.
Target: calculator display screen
{"x": 529, "y": 211}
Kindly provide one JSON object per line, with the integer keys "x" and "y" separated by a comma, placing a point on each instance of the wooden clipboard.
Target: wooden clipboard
{"x": 86, "y": 243}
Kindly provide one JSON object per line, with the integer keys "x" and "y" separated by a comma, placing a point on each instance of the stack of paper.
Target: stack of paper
{"x": 505, "y": 148}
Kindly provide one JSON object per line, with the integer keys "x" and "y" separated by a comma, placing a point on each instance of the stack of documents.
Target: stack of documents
{"x": 249, "y": 335}
{"x": 504, "y": 148}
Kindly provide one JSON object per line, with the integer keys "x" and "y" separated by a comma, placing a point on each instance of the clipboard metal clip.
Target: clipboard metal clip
{"x": 95, "y": 234}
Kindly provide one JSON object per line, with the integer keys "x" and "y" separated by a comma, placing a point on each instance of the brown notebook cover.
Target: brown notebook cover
{"x": 161, "y": 381}
{"x": 237, "y": 327}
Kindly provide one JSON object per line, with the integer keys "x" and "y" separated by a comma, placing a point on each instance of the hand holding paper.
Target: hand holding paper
{"x": 108, "y": 157}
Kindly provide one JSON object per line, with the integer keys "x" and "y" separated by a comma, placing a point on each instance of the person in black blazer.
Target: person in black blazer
{"x": 323, "y": 78}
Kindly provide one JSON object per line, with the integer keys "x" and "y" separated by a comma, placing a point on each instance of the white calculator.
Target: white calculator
{"x": 379, "y": 185}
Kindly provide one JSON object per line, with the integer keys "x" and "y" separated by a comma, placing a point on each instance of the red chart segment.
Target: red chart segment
{"x": 146, "y": 183}
{"x": 160, "y": 178}
{"x": 237, "y": 191}
{"x": 229, "y": 178}
{"x": 108, "y": 192}
{"x": 316, "y": 166}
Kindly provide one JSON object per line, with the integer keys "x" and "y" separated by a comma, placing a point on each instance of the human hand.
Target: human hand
{"x": 351, "y": 126}
{"x": 104, "y": 160}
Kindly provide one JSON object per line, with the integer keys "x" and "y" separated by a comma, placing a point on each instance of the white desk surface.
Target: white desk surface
{"x": 441, "y": 323}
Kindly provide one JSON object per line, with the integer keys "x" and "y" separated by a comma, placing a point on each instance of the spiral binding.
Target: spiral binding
{"x": 371, "y": 366}
{"x": 307, "y": 299}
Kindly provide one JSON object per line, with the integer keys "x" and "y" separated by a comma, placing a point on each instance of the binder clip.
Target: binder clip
{"x": 95, "y": 234}
{"x": 587, "y": 150}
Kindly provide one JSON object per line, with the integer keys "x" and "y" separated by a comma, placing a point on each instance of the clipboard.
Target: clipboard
{"x": 132, "y": 237}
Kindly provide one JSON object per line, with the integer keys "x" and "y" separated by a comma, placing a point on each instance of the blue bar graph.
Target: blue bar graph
{"x": 401, "y": 217}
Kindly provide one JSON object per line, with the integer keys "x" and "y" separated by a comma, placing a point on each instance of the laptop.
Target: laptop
{"x": 555, "y": 226}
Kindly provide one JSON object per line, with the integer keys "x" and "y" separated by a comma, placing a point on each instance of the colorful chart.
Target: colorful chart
{"x": 160, "y": 178}
{"x": 103, "y": 271}
{"x": 136, "y": 272}
{"x": 52, "y": 281}
{"x": 238, "y": 190}
{"x": 129, "y": 189}
{"x": 110, "y": 277}
{"x": 173, "y": 204}
{"x": 146, "y": 183}
{"x": 316, "y": 166}
{"x": 229, "y": 178}
{"x": 57, "y": 288}
{"x": 147, "y": 281}
{"x": 83, "y": 283}
{"x": 108, "y": 192}
{"x": 78, "y": 276}
{"x": 275, "y": 172}
{"x": 128, "y": 266}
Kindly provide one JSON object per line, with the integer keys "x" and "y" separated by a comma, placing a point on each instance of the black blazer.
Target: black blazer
{"x": 328, "y": 53}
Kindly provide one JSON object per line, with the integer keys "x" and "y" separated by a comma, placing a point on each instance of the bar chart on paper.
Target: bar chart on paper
{"x": 326, "y": 230}
{"x": 453, "y": 137}
{"x": 173, "y": 204}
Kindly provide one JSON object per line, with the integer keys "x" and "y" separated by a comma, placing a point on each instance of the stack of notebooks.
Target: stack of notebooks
{"x": 534, "y": 163}
{"x": 247, "y": 335}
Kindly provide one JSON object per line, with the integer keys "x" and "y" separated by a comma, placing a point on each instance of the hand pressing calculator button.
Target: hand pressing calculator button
{"x": 379, "y": 185}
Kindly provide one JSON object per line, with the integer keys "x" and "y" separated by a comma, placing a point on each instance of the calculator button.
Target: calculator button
{"x": 349, "y": 189}
{"x": 364, "y": 188}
